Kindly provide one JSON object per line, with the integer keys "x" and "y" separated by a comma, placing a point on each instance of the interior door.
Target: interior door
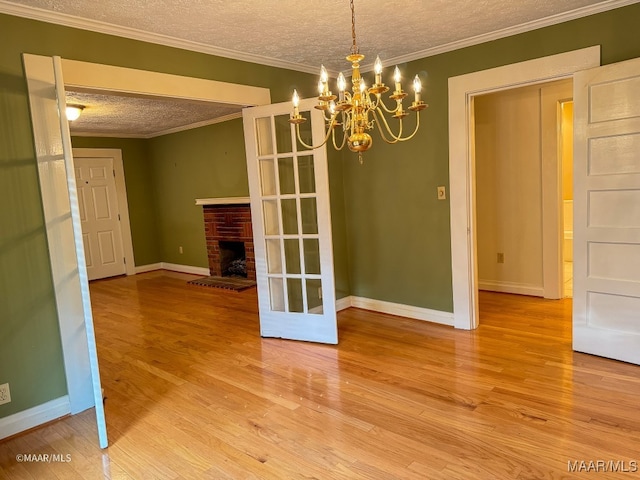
{"x": 292, "y": 225}
{"x": 606, "y": 302}
{"x": 99, "y": 216}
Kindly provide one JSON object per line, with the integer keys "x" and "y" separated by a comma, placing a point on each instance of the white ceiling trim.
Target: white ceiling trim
{"x": 507, "y": 32}
{"x": 182, "y": 128}
{"x": 126, "y": 32}
{"x": 99, "y": 77}
{"x": 66, "y": 20}
{"x": 204, "y": 123}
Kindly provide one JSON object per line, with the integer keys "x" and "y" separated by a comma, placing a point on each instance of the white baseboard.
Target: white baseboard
{"x": 35, "y": 416}
{"x": 343, "y": 303}
{"x": 174, "y": 267}
{"x": 148, "y": 268}
{"x": 508, "y": 287}
{"x": 409, "y": 311}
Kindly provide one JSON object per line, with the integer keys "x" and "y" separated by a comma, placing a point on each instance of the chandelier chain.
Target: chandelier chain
{"x": 354, "y": 47}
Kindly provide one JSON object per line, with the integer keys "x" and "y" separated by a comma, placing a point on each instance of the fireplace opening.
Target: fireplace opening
{"x": 233, "y": 260}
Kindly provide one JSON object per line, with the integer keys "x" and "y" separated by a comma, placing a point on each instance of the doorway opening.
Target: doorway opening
{"x": 523, "y": 143}
{"x": 462, "y": 92}
{"x": 522, "y": 136}
{"x": 46, "y": 89}
{"x": 566, "y": 154}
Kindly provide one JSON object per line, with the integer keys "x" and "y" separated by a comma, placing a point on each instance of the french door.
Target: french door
{"x": 606, "y": 300}
{"x": 289, "y": 190}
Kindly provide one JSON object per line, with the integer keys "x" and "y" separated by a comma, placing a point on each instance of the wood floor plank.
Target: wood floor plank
{"x": 192, "y": 391}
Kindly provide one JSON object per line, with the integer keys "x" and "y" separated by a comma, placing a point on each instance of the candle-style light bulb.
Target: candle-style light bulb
{"x": 324, "y": 76}
{"x": 397, "y": 78}
{"x": 296, "y": 102}
{"x": 342, "y": 85}
{"x": 332, "y": 107}
{"x": 323, "y": 86}
{"x": 342, "y": 82}
{"x": 363, "y": 86}
{"x": 377, "y": 68}
{"x": 417, "y": 87}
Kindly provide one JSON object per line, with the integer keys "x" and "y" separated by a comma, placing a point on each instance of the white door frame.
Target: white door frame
{"x": 462, "y": 90}
{"x": 75, "y": 344}
{"x": 121, "y": 191}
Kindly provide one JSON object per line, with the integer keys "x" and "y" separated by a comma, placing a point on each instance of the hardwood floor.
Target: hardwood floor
{"x": 194, "y": 392}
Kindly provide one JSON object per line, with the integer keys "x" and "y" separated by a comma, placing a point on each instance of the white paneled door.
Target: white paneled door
{"x": 606, "y": 298}
{"x": 100, "y": 218}
{"x": 291, "y": 223}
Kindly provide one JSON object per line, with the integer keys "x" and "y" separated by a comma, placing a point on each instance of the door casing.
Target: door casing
{"x": 462, "y": 90}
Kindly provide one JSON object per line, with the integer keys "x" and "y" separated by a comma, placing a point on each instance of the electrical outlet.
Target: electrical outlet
{"x": 500, "y": 257}
{"x": 5, "y": 394}
{"x": 180, "y": 249}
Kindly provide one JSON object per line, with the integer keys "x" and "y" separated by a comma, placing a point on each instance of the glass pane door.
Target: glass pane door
{"x": 292, "y": 224}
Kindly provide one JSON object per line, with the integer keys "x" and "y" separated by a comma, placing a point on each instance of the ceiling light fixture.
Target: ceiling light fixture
{"x": 361, "y": 108}
{"x": 74, "y": 111}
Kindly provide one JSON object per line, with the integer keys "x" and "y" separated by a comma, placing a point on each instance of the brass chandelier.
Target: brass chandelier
{"x": 359, "y": 110}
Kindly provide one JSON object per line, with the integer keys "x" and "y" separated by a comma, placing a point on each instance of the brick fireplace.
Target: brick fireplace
{"x": 229, "y": 234}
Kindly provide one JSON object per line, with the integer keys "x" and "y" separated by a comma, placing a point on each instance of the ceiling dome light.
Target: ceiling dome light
{"x": 74, "y": 111}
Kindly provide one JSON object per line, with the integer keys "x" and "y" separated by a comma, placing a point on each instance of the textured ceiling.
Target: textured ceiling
{"x": 117, "y": 115}
{"x": 311, "y": 32}
{"x": 304, "y": 34}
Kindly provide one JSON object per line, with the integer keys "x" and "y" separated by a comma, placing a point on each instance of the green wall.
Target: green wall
{"x": 200, "y": 163}
{"x": 392, "y": 238}
{"x": 398, "y": 232}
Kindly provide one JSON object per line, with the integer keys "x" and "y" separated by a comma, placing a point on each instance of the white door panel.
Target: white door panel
{"x": 97, "y": 199}
{"x": 56, "y": 172}
{"x": 289, "y": 190}
{"x": 606, "y": 318}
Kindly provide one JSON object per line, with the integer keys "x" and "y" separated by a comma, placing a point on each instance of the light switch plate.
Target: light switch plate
{"x": 442, "y": 193}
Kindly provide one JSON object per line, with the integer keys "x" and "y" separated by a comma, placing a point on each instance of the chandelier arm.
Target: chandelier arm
{"x": 415, "y": 130}
{"x": 399, "y": 137}
{"x": 378, "y": 114}
{"x": 326, "y": 138}
{"x": 387, "y": 109}
{"x": 344, "y": 140}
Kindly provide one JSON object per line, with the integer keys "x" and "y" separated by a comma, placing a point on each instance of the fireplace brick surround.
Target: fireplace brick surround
{"x": 228, "y": 223}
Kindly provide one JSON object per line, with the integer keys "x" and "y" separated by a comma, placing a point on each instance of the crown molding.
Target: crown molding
{"x": 204, "y": 123}
{"x": 510, "y": 31}
{"x": 67, "y": 20}
{"x": 126, "y": 32}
